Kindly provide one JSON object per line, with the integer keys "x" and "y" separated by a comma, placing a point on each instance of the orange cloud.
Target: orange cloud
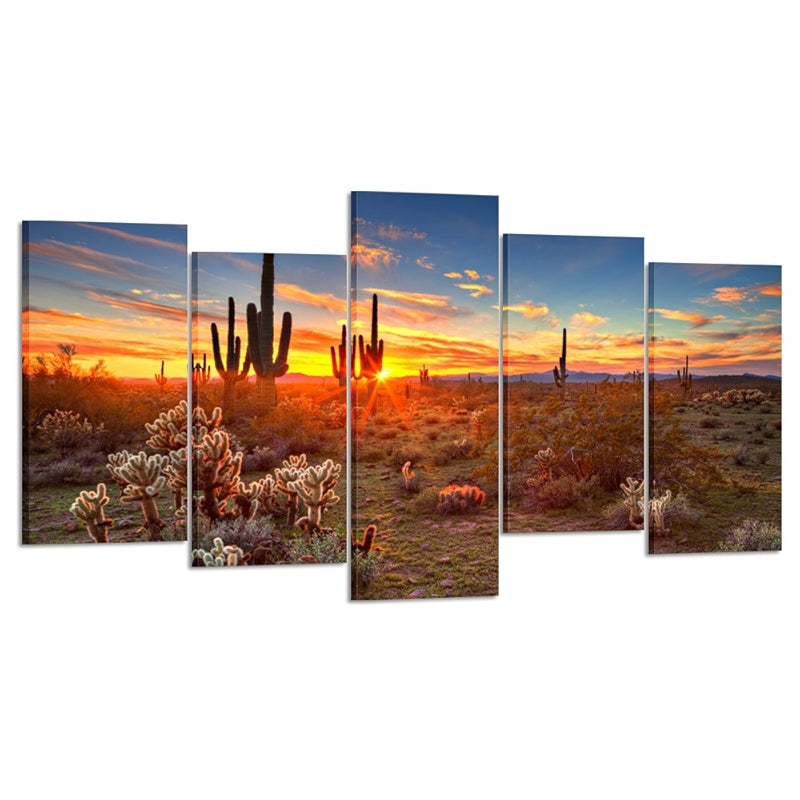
{"x": 474, "y": 289}
{"x": 587, "y": 319}
{"x": 730, "y": 294}
{"x": 696, "y": 320}
{"x": 413, "y": 298}
{"x": 395, "y": 233}
{"x": 773, "y": 290}
{"x": 294, "y": 293}
{"x": 372, "y": 255}
{"x": 133, "y": 237}
{"x": 472, "y": 274}
{"x": 424, "y": 262}
{"x": 454, "y": 275}
{"x": 528, "y": 310}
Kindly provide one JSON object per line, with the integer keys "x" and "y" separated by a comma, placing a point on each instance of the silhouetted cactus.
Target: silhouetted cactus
{"x": 371, "y": 357}
{"x": 229, "y": 371}
{"x": 560, "y": 372}
{"x": 261, "y": 335}
{"x": 340, "y": 365}
{"x": 161, "y": 379}
{"x": 685, "y": 379}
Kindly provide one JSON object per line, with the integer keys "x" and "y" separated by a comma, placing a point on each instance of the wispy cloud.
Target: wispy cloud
{"x": 585, "y": 319}
{"x": 394, "y": 233}
{"x": 475, "y": 289}
{"x": 425, "y": 263}
{"x": 472, "y": 274}
{"x": 453, "y": 275}
{"x": 296, "y": 294}
{"x": 128, "y": 236}
{"x": 412, "y": 298}
{"x": 528, "y": 309}
{"x": 694, "y": 319}
{"x": 373, "y": 255}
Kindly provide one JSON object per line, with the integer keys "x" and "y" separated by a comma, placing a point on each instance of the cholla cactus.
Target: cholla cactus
{"x": 315, "y": 488}
{"x": 291, "y": 471}
{"x": 246, "y": 498}
{"x": 268, "y": 502}
{"x": 89, "y": 508}
{"x": 214, "y": 558}
{"x": 658, "y": 506}
{"x": 546, "y": 460}
{"x": 460, "y": 498}
{"x": 143, "y": 479}
{"x": 408, "y": 473}
{"x": 168, "y": 430}
{"x": 634, "y": 500}
{"x": 217, "y": 471}
{"x": 202, "y": 423}
{"x": 177, "y": 472}
{"x": 234, "y": 556}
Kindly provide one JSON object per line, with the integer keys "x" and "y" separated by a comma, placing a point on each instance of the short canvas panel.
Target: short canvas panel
{"x": 104, "y": 327}
{"x": 425, "y": 364}
{"x": 714, "y": 408}
{"x": 269, "y": 409}
{"x": 573, "y": 389}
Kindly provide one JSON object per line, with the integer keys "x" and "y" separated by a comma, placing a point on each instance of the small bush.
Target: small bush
{"x": 752, "y": 535}
{"x": 711, "y": 422}
{"x": 365, "y": 569}
{"x": 326, "y": 547}
{"x": 246, "y": 533}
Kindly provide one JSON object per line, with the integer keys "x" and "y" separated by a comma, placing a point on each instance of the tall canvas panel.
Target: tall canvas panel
{"x": 714, "y": 408}
{"x": 269, "y": 409}
{"x": 104, "y": 335}
{"x": 573, "y": 383}
{"x": 424, "y": 375}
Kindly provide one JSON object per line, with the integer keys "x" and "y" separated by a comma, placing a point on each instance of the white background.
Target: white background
{"x": 598, "y": 671}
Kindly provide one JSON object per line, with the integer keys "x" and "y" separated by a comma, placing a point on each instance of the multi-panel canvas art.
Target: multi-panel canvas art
{"x": 104, "y": 321}
{"x": 573, "y": 383}
{"x": 424, "y": 356}
{"x": 714, "y": 408}
{"x": 269, "y": 409}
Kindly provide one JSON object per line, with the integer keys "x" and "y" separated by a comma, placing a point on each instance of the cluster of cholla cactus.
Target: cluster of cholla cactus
{"x": 222, "y": 555}
{"x": 461, "y": 497}
{"x": 657, "y": 513}
{"x": 230, "y": 370}
{"x": 560, "y": 372}
{"x": 65, "y": 430}
{"x": 168, "y": 433}
{"x": 142, "y": 479}
{"x": 216, "y": 473}
{"x": 633, "y": 493}
{"x": 89, "y": 508}
{"x": 161, "y": 379}
{"x": 260, "y": 338}
{"x": 685, "y": 379}
{"x": 733, "y": 397}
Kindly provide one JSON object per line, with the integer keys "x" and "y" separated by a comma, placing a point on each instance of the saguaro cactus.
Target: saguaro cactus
{"x": 340, "y": 365}
{"x": 261, "y": 335}
{"x": 685, "y": 379}
{"x": 161, "y": 379}
{"x": 229, "y": 371}
{"x": 201, "y": 374}
{"x": 371, "y": 357}
{"x": 560, "y": 372}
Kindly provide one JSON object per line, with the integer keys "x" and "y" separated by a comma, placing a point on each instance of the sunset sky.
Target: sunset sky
{"x": 313, "y": 288}
{"x": 433, "y": 262}
{"x": 725, "y": 317}
{"x": 592, "y": 286}
{"x": 116, "y": 291}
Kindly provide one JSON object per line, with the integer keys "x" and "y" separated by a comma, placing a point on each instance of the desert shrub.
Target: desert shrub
{"x": 405, "y": 452}
{"x": 65, "y": 430}
{"x": 564, "y": 492}
{"x": 711, "y": 422}
{"x": 327, "y": 547}
{"x": 261, "y": 459}
{"x": 246, "y": 533}
{"x": 761, "y": 456}
{"x": 66, "y": 470}
{"x": 752, "y": 535}
{"x": 387, "y": 433}
{"x": 426, "y": 501}
{"x": 365, "y": 569}
{"x": 739, "y": 455}
{"x": 453, "y": 449}
{"x": 432, "y": 434}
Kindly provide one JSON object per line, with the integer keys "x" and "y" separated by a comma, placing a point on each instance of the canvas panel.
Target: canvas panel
{"x": 714, "y": 407}
{"x": 573, "y": 391}
{"x": 104, "y": 325}
{"x": 425, "y": 352}
{"x": 269, "y": 409}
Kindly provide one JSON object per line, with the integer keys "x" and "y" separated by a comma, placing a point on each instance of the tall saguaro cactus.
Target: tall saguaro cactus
{"x": 229, "y": 372}
{"x": 161, "y": 379}
{"x": 560, "y": 372}
{"x": 685, "y": 379}
{"x": 261, "y": 335}
{"x": 371, "y": 356}
{"x": 340, "y": 366}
